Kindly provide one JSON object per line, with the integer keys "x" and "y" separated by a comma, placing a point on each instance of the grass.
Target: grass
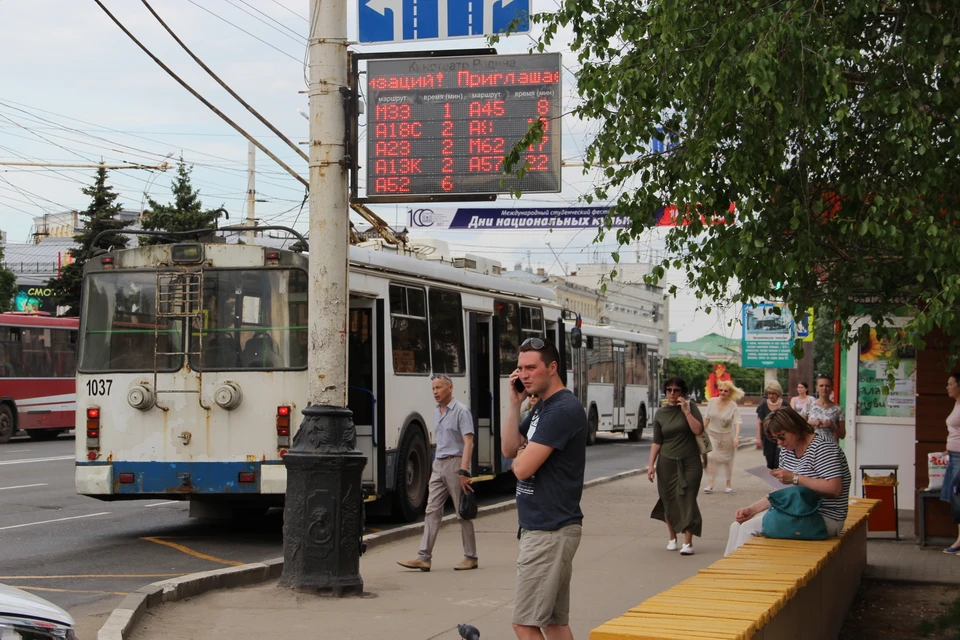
{"x": 948, "y": 621}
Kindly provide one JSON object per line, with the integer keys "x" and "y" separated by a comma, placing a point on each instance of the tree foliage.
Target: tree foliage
{"x": 185, "y": 213}
{"x": 832, "y": 125}
{"x": 8, "y": 285}
{"x": 695, "y": 373}
{"x": 100, "y": 215}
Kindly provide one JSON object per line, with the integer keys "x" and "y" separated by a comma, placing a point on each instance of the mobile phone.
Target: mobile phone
{"x": 519, "y": 386}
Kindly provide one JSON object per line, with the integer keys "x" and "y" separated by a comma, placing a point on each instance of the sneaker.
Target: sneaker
{"x": 686, "y": 550}
{"x": 953, "y": 549}
{"x": 708, "y": 489}
{"x": 466, "y": 564}
{"x": 416, "y": 563}
{"x": 672, "y": 545}
{"x": 728, "y": 490}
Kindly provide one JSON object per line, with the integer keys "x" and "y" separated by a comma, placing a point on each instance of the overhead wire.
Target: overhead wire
{"x": 218, "y": 17}
{"x": 279, "y": 4}
{"x": 272, "y": 19}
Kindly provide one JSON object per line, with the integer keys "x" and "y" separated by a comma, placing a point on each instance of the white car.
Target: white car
{"x": 24, "y": 616}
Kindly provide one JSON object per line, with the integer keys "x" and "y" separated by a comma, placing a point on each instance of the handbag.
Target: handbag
{"x": 468, "y": 505}
{"x": 703, "y": 443}
{"x": 794, "y": 515}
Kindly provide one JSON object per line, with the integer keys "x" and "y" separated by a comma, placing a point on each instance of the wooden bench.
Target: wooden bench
{"x": 765, "y": 590}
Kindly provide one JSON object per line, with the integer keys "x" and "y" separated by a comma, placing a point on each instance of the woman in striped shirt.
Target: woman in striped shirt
{"x": 808, "y": 458}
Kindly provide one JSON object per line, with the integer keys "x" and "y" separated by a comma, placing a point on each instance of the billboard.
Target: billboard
{"x": 768, "y": 333}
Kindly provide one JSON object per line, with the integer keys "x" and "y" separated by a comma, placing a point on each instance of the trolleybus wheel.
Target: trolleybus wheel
{"x": 636, "y": 434}
{"x": 43, "y": 434}
{"x": 592, "y": 425}
{"x": 413, "y": 472}
{"x": 6, "y": 424}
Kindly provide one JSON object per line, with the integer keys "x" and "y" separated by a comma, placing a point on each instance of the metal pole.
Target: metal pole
{"x": 251, "y": 189}
{"x": 323, "y": 512}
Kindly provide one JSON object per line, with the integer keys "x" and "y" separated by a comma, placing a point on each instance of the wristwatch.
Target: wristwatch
{"x": 796, "y": 479}
{"x": 464, "y": 472}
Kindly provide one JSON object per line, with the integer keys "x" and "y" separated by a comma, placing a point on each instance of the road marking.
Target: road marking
{"x": 162, "y": 504}
{"x": 30, "y": 524}
{"x": 191, "y": 552}
{"x": 95, "y": 575}
{"x": 24, "y": 486}
{"x": 115, "y": 593}
{"x": 28, "y": 460}
{"x": 15, "y": 450}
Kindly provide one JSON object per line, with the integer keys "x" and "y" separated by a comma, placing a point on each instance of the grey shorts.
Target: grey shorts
{"x": 544, "y": 568}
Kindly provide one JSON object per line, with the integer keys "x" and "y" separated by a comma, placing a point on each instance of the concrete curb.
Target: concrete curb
{"x": 136, "y": 604}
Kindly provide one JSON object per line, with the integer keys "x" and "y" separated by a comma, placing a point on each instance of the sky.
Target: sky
{"x": 76, "y": 90}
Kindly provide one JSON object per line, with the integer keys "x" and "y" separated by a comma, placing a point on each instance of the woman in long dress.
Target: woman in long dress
{"x": 675, "y": 464}
{"x": 722, "y": 423}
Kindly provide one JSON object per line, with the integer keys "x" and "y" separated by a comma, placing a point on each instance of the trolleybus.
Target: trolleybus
{"x": 192, "y": 369}
{"x": 37, "y": 375}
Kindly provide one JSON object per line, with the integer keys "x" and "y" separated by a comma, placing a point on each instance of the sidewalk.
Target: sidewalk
{"x": 622, "y": 560}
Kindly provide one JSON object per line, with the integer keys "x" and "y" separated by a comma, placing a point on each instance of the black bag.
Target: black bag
{"x": 468, "y": 505}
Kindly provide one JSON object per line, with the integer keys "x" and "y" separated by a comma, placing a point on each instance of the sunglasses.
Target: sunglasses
{"x": 780, "y": 437}
{"x": 441, "y": 376}
{"x": 534, "y": 343}
{"x": 673, "y": 390}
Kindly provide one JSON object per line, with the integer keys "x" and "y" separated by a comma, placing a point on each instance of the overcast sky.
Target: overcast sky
{"x": 76, "y": 90}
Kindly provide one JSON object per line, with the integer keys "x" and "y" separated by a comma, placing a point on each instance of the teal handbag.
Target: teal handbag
{"x": 794, "y": 515}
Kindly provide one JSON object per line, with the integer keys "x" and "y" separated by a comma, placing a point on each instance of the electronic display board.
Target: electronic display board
{"x": 441, "y": 126}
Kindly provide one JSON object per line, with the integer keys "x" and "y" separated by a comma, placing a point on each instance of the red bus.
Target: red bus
{"x": 38, "y": 373}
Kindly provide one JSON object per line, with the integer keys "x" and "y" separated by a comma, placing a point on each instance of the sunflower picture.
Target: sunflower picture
{"x": 876, "y": 349}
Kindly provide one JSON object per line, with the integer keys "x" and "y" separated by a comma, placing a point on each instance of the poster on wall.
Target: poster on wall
{"x": 901, "y": 400}
{"x": 768, "y": 334}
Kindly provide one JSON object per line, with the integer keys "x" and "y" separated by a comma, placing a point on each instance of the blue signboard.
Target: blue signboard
{"x": 768, "y": 334}
{"x": 408, "y": 20}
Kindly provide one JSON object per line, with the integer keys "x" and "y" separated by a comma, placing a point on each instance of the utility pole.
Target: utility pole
{"x": 323, "y": 513}
{"x": 251, "y": 189}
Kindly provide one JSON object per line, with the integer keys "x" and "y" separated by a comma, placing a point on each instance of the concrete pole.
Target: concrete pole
{"x": 329, "y": 209}
{"x": 251, "y": 189}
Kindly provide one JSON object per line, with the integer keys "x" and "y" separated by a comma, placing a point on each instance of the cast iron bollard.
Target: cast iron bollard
{"x": 323, "y": 515}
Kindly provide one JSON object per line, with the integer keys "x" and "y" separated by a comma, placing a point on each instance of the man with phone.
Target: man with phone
{"x": 549, "y": 457}
{"x": 453, "y": 433}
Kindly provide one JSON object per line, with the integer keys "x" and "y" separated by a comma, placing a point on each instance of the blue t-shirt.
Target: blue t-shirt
{"x": 550, "y": 499}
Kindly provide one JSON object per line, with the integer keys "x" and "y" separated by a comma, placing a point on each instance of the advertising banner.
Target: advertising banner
{"x": 767, "y": 337}
{"x": 34, "y": 298}
{"x": 872, "y": 400}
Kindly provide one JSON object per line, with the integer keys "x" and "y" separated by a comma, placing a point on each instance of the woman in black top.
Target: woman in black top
{"x": 774, "y": 401}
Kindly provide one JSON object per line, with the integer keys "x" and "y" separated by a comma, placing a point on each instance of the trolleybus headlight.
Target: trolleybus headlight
{"x": 228, "y": 395}
{"x": 186, "y": 253}
{"x": 140, "y": 397}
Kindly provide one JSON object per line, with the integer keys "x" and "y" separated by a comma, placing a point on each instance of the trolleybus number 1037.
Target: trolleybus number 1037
{"x": 99, "y": 387}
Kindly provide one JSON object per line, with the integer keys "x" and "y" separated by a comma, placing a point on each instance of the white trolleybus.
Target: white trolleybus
{"x": 192, "y": 369}
{"x": 614, "y": 375}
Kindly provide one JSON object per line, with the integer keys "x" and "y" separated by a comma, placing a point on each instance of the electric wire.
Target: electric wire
{"x": 300, "y": 38}
{"x": 235, "y": 27}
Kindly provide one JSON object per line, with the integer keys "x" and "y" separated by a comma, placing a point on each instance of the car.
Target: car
{"x": 29, "y": 617}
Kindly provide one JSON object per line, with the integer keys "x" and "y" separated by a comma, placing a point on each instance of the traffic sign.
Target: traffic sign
{"x": 408, "y": 20}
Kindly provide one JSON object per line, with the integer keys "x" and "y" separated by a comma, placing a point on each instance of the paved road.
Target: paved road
{"x": 85, "y": 555}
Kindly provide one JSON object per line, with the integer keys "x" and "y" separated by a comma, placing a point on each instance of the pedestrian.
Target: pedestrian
{"x": 825, "y": 414}
{"x": 802, "y": 402}
{"x": 722, "y": 424}
{"x": 676, "y": 465}
{"x": 549, "y": 455}
{"x": 953, "y": 451}
{"x": 453, "y": 434}
{"x": 773, "y": 401}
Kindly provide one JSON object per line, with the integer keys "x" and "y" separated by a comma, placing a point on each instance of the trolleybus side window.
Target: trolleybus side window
{"x": 408, "y": 330}
{"x": 121, "y": 328}
{"x": 600, "y": 361}
{"x": 636, "y": 364}
{"x": 446, "y": 331}
{"x": 508, "y": 321}
{"x": 531, "y": 322}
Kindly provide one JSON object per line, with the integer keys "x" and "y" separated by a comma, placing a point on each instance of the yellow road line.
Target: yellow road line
{"x": 25, "y": 588}
{"x": 96, "y": 575}
{"x": 191, "y": 552}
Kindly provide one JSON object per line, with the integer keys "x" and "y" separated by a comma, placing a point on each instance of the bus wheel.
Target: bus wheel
{"x": 43, "y": 434}
{"x": 6, "y": 424}
{"x": 593, "y": 423}
{"x": 636, "y": 434}
{"x": 413, "y": 472}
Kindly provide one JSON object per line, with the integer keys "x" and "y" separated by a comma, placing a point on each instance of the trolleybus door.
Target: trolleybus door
{"x": 486, "y": 452}
{"x": 364, "y": 384}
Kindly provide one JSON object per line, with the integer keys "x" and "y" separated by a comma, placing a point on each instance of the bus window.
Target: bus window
{"x": 508, "y": 321}
{"x": 252, "y": 319}
{"x": 408, "y": 330}
{"x": 10, "y": 361}
{"x": 64, "y": 353}
{"x": 36, "y": 354}
{"x": 446, "y": 331}
{"x": 121, "y": 330}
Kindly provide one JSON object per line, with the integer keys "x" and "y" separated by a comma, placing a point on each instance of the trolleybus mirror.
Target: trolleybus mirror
{"x": 576, "y": 338}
